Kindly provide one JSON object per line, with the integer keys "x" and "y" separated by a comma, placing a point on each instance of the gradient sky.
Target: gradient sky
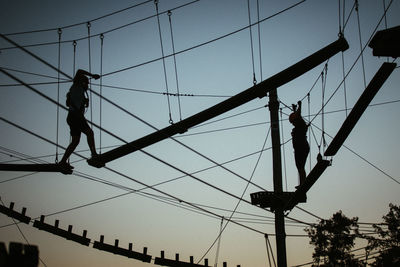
{"x": 362, "y": 181}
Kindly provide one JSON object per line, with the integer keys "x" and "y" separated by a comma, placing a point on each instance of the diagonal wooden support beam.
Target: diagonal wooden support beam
{"x": 258, "y": 91}
{"x": 365, "y": 99}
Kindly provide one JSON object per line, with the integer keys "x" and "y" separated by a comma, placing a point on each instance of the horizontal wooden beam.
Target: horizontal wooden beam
{"x": 257, "y": 91}
{"x": 365, "y": 99}
{"x": 51, "y": 167}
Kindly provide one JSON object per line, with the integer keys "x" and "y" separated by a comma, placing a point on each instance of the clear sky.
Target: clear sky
{"x": 362, "y": 181}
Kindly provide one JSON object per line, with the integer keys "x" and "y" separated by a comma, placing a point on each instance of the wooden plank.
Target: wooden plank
{"x": 14, "y": 214}
{"x": 115, "y": 249}
{"x": 50, "y": 167}
{"x": 258, "y": 91}
{"x": 365, "y": 99}
{"x": 312, "y": 177}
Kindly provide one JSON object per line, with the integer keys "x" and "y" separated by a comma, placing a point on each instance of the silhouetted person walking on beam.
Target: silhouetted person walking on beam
{"x": 77, "y": 102}
{"x": 299, "y": 139}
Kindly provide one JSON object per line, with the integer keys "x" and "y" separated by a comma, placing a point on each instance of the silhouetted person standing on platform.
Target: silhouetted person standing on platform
{"x": 77, "y": 102}
{"x": 299, "y": 139}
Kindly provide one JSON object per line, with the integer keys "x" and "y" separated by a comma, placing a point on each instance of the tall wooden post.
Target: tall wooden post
{"x": 277, "y": 176}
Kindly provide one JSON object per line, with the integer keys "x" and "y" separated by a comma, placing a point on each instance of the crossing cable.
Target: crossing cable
{"x": 146, "y": 153}
{"x": 251, "y": 43}
{"x": 152, "y": 156}
{"x": 81, "y": 23}
{"x": 357, "y": 154}
{"x": 356, "y": 60}
{"x": 58, "y": 90}
{"x": 176, "y": 69}
{"x": 86, "y": 176}
{"x": 139, "y": 182}
{"x": 241, "y": 198}
{"x": 104, "y": 85}
{"x": 163, "y": 61}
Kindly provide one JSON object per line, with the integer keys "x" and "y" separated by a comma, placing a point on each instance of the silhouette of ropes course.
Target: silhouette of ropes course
{"x": 171, "y": 198}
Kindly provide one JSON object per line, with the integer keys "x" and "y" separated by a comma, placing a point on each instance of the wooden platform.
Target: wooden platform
{"x": 51, "y": 167}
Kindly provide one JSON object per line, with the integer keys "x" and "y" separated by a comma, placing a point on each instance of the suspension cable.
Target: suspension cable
{"x": 384, "y": 8}
{"x": 101, "y": 84}
{"x": 163, "y": 61}
{"x": 309, "y": 130}
{"x": 361, "y": 47}
{"x": 259, "y": 39}
{"x": 269, "y": 247}
{"x": 241, "y": 198}
{"x": 90, "y": 71}
{"x": 284, "y": 151}
{"x": 219, "y": 243}
{"x": 176, "y": 69}
{"x": 73, "y": 67}
{"x": 58, "y": 90}
{"x": 251, "y": 43}
{"x": 323, "y": 80}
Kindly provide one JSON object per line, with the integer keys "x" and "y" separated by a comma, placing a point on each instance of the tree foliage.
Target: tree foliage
{"x": 333, "y": 241}
{"x": 388, "y": 240}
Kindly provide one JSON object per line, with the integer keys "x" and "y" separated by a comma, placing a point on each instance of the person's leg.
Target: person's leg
{"x": 300, "y": 159}
{"x": 90, "y": 141}
{"x": 74, "y": 143}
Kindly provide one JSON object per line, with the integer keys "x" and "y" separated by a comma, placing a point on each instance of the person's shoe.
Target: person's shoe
{"x": 65, "y": 168}
{"x": 93, "y": 161}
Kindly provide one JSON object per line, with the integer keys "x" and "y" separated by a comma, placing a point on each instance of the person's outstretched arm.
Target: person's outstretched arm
{"x": 86, "y": 73}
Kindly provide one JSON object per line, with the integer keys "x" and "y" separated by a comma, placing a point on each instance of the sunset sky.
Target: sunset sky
{"x": 214, "y": 60}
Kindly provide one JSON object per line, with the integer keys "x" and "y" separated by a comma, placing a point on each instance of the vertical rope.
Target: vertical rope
{"x": 361, "y": 46}
{"x": 323, "y": 78}
{"x": 259, "y": 39}
{"x": 309, "y": 128}
{"x": 341, "y": 34}
{"x": 90, "y": 71}
{"x": 101, "y": 84}
{"x": 251, "y": 43}
{"x": 58, "y": 89}
{"x": 266, "y": 243}
{"x": 344, "y": 84}
{"x": 219, "y": 242}
{"x": 284, "y": 150}
{"x": 340, "y": 19}
{"x": 73, "y": 68}
{"x": 163, "y": 60}
{"x": 269, "y": 247}
{"x": 176, "y": 69}
{"x": 384, "y": 10}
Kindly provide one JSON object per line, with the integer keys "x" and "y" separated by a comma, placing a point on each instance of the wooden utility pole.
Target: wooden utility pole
{"x": 277, "y": 176}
